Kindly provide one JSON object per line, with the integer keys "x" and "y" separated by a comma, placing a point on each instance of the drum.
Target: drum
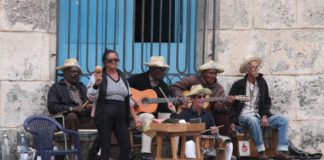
{"x": 207, "y": 141}
{"x": 208, "y": 146}
{"x": 221, "y": 141}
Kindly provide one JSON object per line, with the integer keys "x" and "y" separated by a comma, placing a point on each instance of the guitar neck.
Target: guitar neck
{"x": 173, "y": 99}
{"x": 212, "y": 99}
{"x": 161, "y": 100}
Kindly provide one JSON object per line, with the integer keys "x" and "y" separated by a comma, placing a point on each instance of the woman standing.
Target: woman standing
{"x": 110, "y": 90}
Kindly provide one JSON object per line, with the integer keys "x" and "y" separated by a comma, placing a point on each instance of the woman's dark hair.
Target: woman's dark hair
{"x": 106, "y": 53}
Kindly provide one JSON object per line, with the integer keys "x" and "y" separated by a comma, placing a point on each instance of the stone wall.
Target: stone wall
{"x": 288, "y": 35}
{"x": 27, "y": 46}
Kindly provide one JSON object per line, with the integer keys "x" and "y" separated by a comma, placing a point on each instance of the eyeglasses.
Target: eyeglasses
{"x": 200, "y": 96}
{"x": 112, "y": 60}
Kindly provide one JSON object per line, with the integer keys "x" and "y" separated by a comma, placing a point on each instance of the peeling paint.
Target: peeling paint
{"x": 222, "y": 45}
{"x": 281, "y": 92}
{"x": 282, "y": 13}
{"x": 310, "y": 93}
{"x": 234, "y": 14}
{"x": 28, "y": 72}
{"x": 313, "y": 13}
{"x": 28, "y": 12}
{"x": 275, "y": 14}
{"x": 311, "y": 139}
{"x": 16, "y": 94}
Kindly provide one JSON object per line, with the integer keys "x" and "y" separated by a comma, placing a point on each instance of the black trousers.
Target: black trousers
{"x": 113, "y": 120}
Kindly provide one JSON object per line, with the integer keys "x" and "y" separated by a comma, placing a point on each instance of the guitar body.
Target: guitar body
{"x": 138, "y": 97}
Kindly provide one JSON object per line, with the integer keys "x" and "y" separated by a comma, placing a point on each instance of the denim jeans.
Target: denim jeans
{"x": 275, "y": 121}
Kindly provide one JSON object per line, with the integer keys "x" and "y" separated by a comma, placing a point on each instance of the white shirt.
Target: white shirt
{"x": 251, "y": 107}
{"x": 116, "y": 90}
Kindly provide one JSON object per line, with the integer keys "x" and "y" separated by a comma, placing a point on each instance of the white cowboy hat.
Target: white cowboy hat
{"x": 247, "y": 61}
{"x": 198, "y": 89}
{"x": 71, "y": 62}
{"x": 211, "y": 65}
{"x": 157, "y": 61}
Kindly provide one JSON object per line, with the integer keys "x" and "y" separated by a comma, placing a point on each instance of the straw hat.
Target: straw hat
{"x": 198, "y": 89}
{"x": 157, "y": 61}
{"x": 68, "y": 63}
{"x": 211, "y": 65}
{"x": 247, "y": 61}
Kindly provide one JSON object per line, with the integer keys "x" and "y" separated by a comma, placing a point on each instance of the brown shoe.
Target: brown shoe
{"x": 283, "y": 155}
{"x": 263, "y": 156}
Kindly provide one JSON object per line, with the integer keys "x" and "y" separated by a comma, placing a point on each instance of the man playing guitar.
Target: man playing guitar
{"x": 207, "y": 77}
{"x": 152, "y": 79}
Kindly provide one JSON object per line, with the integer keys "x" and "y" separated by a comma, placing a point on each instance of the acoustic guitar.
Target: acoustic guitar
{"x": 147, "y": 100}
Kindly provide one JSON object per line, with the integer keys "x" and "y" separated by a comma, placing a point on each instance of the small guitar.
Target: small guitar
{"x": 147, "y": 100}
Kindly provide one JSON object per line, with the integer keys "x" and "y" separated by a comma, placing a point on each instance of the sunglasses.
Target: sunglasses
{"x": 162, "y": 69}
{"x": 112, "y": 60}
{"x": 200, "y": 96}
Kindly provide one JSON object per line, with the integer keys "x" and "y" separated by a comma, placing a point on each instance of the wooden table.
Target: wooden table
{"x": 174, "y": 130}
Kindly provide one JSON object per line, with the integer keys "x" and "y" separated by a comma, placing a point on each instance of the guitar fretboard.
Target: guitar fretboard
{"x": 163, "y": 100}
{"x": 160, "y": 100}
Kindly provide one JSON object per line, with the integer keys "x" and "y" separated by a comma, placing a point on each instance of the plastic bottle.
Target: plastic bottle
{"x": 23, "y": 148}
{"x": 5, "y": 151}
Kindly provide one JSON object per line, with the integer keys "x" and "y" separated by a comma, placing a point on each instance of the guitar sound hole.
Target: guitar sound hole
{"x": 145, "y": 100}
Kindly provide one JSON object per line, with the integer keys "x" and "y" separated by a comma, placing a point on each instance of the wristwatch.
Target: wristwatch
{"x": 70, "y": 109}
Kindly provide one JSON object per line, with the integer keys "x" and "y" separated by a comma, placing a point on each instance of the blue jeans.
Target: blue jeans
{"x": 275, "y": 121}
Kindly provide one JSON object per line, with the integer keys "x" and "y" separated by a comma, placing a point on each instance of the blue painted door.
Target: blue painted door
{"x": 87, "y": 27}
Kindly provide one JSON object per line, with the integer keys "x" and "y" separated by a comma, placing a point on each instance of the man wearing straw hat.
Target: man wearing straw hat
{"x": 68, "y": 96}
{"x": 152, "y": 79}
{"x": 197, "y": 97}
{"x": 255, "y": 113}
{"x": 207, "y": 77}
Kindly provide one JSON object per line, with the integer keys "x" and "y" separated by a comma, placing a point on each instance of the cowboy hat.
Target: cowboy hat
{"x": 247, "y": 61}
{"x": 68, "y": 63}
{"x": 198, "y": 89}
{"x": 211, "y": 65}
{"x": 157, "y": 61}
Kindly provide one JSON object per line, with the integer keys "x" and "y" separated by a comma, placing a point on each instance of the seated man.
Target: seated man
{"x": 197, "y": 97}
{"x": 69, "y": 97}
{"x": 152, "y": 79}
{"x": 255, "y": 113}
{"x": 207, "y": 77}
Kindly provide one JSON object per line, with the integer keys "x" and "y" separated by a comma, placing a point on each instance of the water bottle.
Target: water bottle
{"x": 23, "y": 148}
{"x": 5, "y": 152}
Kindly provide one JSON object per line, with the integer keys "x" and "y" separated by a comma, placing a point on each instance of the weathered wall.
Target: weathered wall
{"x": 27, "y": 43}
{"x": 288, "y": 35}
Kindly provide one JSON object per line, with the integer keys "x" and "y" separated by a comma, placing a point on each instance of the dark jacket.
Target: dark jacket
{"x": 142, "y": 82}
{"x": 190, "y": 113}
{"x": 59, "y": 99}
{"x": 102, "y": 96}
{"x": 239, "y": 88}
